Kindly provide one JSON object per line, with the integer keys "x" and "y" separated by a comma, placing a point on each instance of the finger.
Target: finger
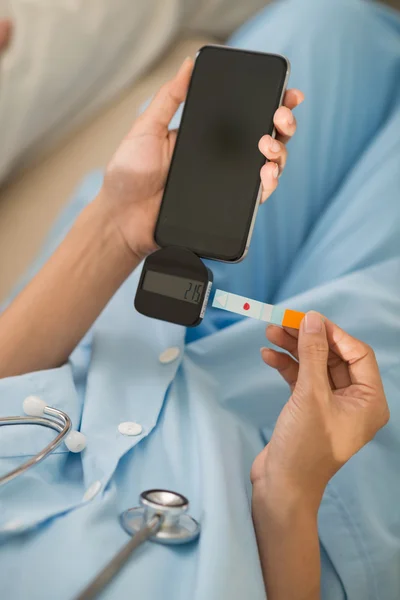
{"x": 313, "y": 353}
{"x": 360, "y": 358}
{"x": 280, "y": 337}
{"x": 269, "y": 179}
{"x": 287, "y": 339}
{"x": 292, "y": 98}
{"x": 292, "y": 332}
{"x": 5, "y": 33}
{"x": 285, "y": 124}
{"x": 338, "y": 370}
{"x": 172, "y": 135}
{"x": 274, "y": 150}
{"x": 156, "y": 118}
{"x": 283, "y": 363}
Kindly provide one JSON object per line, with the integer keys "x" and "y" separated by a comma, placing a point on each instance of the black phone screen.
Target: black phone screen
{"x": 214, "y": 178}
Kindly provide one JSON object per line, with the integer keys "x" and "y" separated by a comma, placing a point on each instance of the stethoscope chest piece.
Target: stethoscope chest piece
{"x": 175, "y": 527}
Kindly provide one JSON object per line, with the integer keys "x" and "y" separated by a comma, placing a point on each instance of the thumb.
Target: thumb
{"x": 166, "y": 102}
{"x": 313, "y": 352}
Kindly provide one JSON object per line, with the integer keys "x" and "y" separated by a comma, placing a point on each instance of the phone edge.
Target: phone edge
{"x": 258, "y": 200}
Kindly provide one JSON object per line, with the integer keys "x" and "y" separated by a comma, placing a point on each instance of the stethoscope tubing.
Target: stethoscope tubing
{"x": 58, "y": 420}
{"x": 119, "y": 560}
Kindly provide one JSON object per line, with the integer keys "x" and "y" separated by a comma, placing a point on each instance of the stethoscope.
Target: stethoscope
{"x": 161, "y": 516}
{"x": 39, "y": 414}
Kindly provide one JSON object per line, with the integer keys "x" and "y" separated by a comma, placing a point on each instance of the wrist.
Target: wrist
{"x": 286, "y": 527}
{"x": 283, "y": 500}
{"x": 104, "y": 224}
{"x": 133, "y": 225}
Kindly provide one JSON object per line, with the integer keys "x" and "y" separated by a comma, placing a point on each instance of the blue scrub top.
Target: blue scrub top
{"x": 329, "y": 239}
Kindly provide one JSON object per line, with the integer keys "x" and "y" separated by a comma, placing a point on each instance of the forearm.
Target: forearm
{"x": 287, "y": 537}
{"x": 46, "y": 321}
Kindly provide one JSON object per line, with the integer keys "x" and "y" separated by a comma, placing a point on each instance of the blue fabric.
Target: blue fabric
{"x": 328, "y": 239}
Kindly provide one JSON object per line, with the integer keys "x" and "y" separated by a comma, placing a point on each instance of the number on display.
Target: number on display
{"x": 193, "y": 293}
{"x": 188, "y": 290}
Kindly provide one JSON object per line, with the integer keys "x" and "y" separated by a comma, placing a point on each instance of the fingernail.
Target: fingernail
{"x": 275, "y": 172}
{"x": 273, "y": 144}
{"x": 312, "y": 322}
{"x": 290, "y": 119}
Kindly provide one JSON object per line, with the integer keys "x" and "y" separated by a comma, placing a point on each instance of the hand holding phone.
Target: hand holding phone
{"x": 135, "y": 177}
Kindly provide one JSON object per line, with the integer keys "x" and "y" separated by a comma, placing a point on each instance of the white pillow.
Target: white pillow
{"x": 69, "y": 57}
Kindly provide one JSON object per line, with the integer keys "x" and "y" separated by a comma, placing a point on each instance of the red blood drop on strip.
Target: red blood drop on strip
{"x": 246, "y": 306}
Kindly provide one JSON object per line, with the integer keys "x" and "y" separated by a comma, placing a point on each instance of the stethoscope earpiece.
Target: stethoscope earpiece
{"x": 75, "y": 441}
{"x": 38, "y": 413}
{"x": 34, "y": 406}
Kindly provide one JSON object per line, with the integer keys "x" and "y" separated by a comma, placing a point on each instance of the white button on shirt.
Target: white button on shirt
{"x": 12, "y": 525}
{"x": 92, "y": 491}
{"x": 130, "y": 428}
{"x": 169, "y": 355}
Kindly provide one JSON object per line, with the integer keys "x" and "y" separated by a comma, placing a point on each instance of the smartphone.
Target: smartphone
{"x": 213, "y": 186}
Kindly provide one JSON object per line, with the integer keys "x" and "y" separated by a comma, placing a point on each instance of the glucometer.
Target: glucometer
{"x": 174, "y": 286}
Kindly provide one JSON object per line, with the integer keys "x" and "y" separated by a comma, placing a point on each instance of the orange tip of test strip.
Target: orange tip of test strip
{"x": 292, "y": 318}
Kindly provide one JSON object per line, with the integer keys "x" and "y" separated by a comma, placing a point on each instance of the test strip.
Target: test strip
{"x": 257, "y": 310}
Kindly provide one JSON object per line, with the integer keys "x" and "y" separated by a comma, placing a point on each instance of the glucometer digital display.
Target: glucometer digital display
{"x": 173, "y": 286}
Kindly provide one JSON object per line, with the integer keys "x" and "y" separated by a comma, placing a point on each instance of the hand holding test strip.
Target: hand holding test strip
{"x": 257, "y": 310}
